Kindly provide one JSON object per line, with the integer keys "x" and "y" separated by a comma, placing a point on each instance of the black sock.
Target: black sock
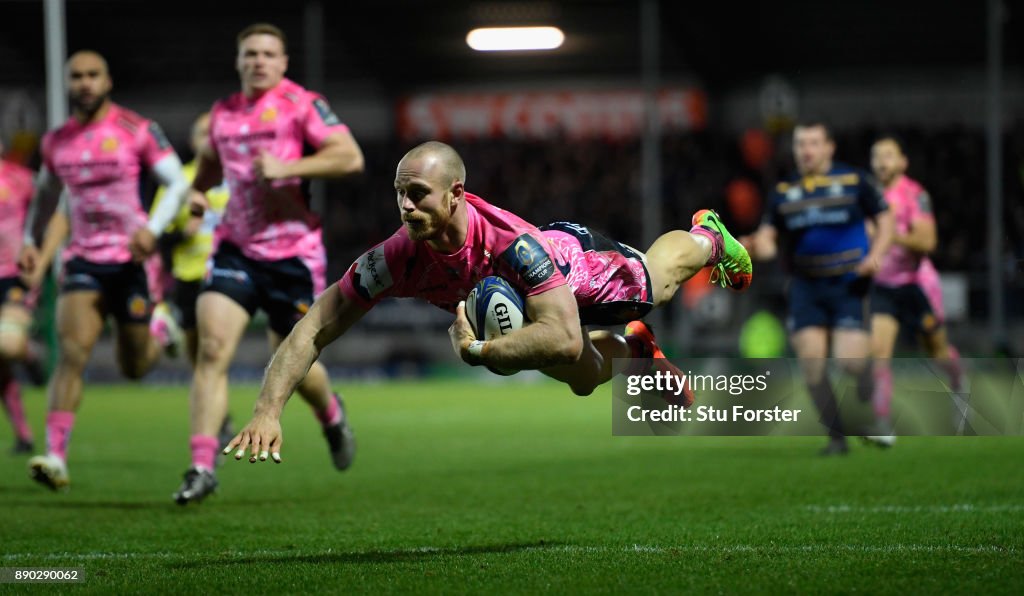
{"x": 825, "y": 401}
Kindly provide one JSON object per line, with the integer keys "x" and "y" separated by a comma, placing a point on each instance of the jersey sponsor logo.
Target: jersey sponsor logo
{"x": 159, "y": 136}
{"x": 529, "y": 259}
{"x": 371, "y": 274}
{"x": 324, "y": 111}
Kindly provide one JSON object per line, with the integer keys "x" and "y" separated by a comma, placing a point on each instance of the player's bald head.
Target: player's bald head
{"x": 438, "y": 159}
{"x": 87, "y": 60}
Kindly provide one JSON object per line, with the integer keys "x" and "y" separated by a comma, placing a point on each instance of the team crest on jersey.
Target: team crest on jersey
{"x": 301, "y": 307}
{"x": 371, "y": 275}
{"x": 324, "y": 110}
{"x": 137, "y": 306}
{"x": 269, "y": 114}
{"x": 794, "y": 193}
{"x": 529, "y": 259}
{"x": 109, "y": 144}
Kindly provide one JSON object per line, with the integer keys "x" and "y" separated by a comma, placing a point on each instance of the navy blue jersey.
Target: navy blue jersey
{"x": 820, "y": 220}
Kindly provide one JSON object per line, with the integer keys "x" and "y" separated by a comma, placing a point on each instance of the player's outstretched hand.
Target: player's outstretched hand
{"x": 262, "y": 436}
{"x": 460, "y": 332}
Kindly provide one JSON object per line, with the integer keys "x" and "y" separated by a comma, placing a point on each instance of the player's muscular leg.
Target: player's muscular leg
{"x": 674, "y": 258}
{"x": 811, "y": 347}
{"x": 137, "y": 349}
{"x": 936, "y": 344}
{"x": 221, "y": 322}
{"x": 884, "y": 331}
{"x": 853, "y": 349}
{"x": 79, "y": 325}
{"x": 14, "y": 323}
{"x": 595, "y": 364}
{"x": 315, "y": 387}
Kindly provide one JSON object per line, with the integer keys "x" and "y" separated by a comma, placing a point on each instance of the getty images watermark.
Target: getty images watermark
{"x": 747, "y": 397}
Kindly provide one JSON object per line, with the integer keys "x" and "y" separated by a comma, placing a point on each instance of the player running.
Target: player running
{"x": 16, "y": 300}
{"x": 270, "y": 253}
{"x": 571, "y": 277}
{"x": 820, "y": 213}
{"x": 907, "y": 290}
{"x": 97, "y": 157}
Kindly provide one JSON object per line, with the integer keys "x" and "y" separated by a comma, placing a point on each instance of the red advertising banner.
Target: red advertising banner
{"x": 543, "y": 114}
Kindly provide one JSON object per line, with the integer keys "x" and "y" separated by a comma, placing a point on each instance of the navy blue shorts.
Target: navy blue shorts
{"x": 282, "y": 289}
{"x": 123, "y": 287}
{"x": 832, "y": 302}
{"x": 908, "y": 305}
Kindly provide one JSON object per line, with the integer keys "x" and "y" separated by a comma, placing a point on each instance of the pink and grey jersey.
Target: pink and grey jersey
{"x": 908, "y": 202}
{"x": 270, "y": 222}
{"x": 100, "y": 164}
{"x": 15, "y": 195}
{"x": 497, "y": 243}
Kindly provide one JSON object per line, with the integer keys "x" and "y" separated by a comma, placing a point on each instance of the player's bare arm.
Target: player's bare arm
{"x": 885, "y": 227}
{"x": 553, "y": 338}
{"x": 34, "y": 262}
{"x": 208, "y": 173}
{"x": 338, "y": 156}
{"x": 330, "y": 316}
{"x": 921, "y": 238}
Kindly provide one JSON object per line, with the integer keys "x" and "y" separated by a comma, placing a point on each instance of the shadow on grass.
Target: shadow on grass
{"x": 368, "y": 557}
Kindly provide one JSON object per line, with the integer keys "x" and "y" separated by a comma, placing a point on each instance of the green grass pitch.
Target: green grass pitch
{"x": 511, "y": 488}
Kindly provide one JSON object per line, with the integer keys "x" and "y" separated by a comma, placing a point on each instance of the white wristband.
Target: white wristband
{"x": 476, "y": 349}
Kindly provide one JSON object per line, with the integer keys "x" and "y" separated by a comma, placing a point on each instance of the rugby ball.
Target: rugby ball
{"x": 494, "y": 308}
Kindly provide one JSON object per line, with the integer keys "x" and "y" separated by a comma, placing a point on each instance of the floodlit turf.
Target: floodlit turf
{"x": 468, "y": 487}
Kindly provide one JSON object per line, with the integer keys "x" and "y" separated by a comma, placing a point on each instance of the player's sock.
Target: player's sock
{"x": 865, "y": 384}
{"x": 828, "y": 410}
{"x": 331, "y": 415}
{"x": 15, "y": 409}
{"x": 953, "y": 367}
{"x": 58, "y": 433}
{"x": 881, "y": 398}
{"x": 204, "y": 451}
{"x": 715, "y": 239}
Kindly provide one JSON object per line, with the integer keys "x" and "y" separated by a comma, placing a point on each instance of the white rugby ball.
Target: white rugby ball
{"x": 494, "y": 308}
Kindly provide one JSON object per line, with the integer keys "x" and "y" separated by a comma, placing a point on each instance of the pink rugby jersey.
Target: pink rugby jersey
{"x": 270, "y": 222}
{"x": 908, "y": 201}
{"x": 100, "y": 163}
{"x": 497, "y": 243}
{"x": 15, "y": 195}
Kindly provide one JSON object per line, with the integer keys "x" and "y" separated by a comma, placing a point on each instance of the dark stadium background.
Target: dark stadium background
{"x": 916, "y": 68}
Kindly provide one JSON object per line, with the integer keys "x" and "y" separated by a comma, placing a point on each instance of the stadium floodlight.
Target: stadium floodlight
{"x": 498, "y": 39}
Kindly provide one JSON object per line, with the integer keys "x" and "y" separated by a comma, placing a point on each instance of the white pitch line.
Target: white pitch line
{"x": 568, "y": 548}
{"x": 955, "y": 508}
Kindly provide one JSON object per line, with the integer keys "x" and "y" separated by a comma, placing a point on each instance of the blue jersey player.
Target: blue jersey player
{"x": 817, "y": 218}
